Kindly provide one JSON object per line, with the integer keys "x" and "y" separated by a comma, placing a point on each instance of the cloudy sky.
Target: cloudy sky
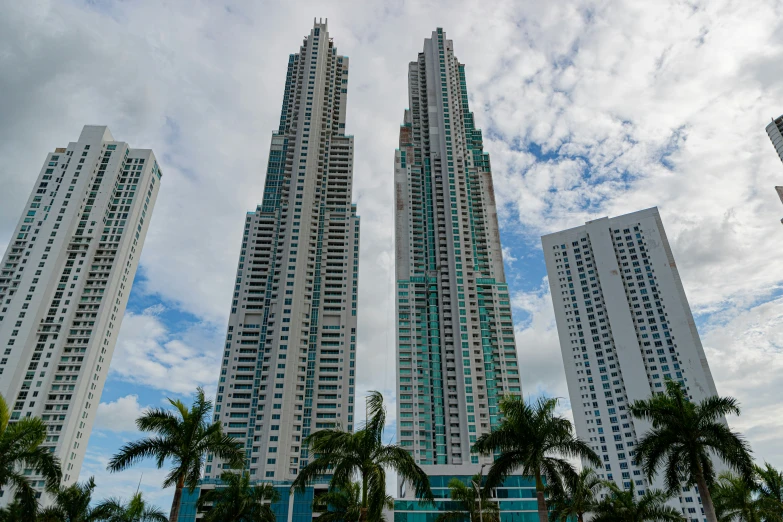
{"x": 589, "y": 108}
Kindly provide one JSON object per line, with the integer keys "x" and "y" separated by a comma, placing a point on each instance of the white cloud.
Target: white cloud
{"x": 538, "y": 348}
{"x": 746, "y": 359}
{"x": 146, "y": 477}
{"x": 612, "y": 98}
{"x": 148, "y": 353}
{"x": 119, "y": 415}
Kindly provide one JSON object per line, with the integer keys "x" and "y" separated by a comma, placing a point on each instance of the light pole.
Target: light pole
{"x": 478, "y": 490}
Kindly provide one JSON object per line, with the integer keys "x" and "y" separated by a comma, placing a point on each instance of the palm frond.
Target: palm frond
{"x": 376, "y": 416}
{"x": 5, "y": 414}
{"x": 401, "y": 461}
{"x": 160, "y": 421}
{"x": 134, "y": 452}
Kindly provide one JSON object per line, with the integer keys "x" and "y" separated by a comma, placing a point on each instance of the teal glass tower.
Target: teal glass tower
{"x": 455, "y": 337}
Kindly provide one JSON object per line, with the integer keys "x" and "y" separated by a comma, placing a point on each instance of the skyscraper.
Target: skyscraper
{"x": 65, "y": 281}
{"x": 455, "y": 337}
{"x": 775, "y": 133}
{"x": 290, "y": 352}
{"x": 625, "y": 328}
{"x": 780, "y": 195}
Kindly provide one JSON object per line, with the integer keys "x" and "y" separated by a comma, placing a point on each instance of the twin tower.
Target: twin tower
{"x": 289, "y": 364}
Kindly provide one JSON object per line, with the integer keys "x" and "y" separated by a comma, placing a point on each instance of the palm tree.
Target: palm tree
{"x": 72, "y": 504}
{"x": 735, "y": 500}
{"x": 343, "y": 455}
{"x": 184, "y": 437}
{"x": 578, "y": 497}
{"x": 531, "y": 438}
{"x": 21, "y": 451}
{"x": 770, "y": 490}
{"x": 135, "y": 510}
{"x": 625, "y": 506}
{"x": 18, "y": 511}
{"x": 344, "y": 504}
{"x": 475, "y": 507}
{"x": 239, "y": 500}
{"x": 682, "y": 437}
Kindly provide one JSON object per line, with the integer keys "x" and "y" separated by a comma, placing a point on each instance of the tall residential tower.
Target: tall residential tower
{"x": 290, "y": 352}
{"x": 775, "y": 133}
{"x": 625, "y": 328}
{"x": 65, "y": 281}
{"x": 455, "y": 337}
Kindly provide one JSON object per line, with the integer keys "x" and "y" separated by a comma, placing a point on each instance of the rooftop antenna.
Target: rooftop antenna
{"x": 139, "y": 486}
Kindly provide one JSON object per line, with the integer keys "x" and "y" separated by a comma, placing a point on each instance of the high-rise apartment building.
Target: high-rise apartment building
{"x": 775, "y": 133}
{"x": 290, "y": 352}
{"x": 455, "y": 337}
{"x": 625, "y": 328}
{"x": 65, "y": 281}
{"x": 780, "y": 195}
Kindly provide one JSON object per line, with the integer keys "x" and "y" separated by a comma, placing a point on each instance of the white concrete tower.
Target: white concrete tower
{"x": 65, "y": 281}
{"x": 625, "y": 327}
{"x": 455, "y": 336}
{"x": 775, "y": 133}
{"x": 290, "y": 353}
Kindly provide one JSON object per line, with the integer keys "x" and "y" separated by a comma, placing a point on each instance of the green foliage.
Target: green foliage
{"x": 532, "y": 440}
{"x": 739, "y": 500}
{"x": 183, "y": 437}
{"x": 683, "y": 437}
{"x": 734, "y": 500}
{"x": 17, "y": 511}
{"x": 769, "y": 488}
{"x": 474, "y": 506}
{"x": 20, "y": 450}
{"x": 579, "y": 496}
{"x": 340, "y": 504}
{"x": 72, "y": 504}
{"x": 344, "y": 504}
{"x": 239, "y": 500}
{"x": 625, "y": 506}
{"x": 344, "y": 455}
{"x": 683, "y": 434}
{"x": 135, "y": 510}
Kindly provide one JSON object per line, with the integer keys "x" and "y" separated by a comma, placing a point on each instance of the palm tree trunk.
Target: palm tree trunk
{"x": 543, "y": 516}
{"x": 363, "y": 511}
{"x": 706, "y": 498}
{"x": 174, "y": 514}
{"x": 580, "y": 517}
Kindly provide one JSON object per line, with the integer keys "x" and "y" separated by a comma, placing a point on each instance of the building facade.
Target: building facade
{"x": 291, "y": 506}
{"x": 775, "y": 133}
{"x": 625, "y": 328}
{"x": 515, "y": 496}
{"x": 780, "y": 195}
{"x": 456, "y": 351}
{"x": 65, "y": 281}
{"x": 290, "y": 351}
